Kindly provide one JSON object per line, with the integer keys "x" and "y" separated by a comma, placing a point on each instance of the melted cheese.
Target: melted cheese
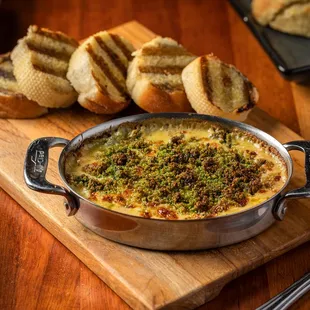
{"x": 165, "y": 136}
{"x": 162, "y": 136}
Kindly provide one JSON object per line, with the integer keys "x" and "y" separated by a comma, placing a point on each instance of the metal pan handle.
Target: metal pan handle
{"x": 35, "y": 168}
{"x": 302, "y": 192}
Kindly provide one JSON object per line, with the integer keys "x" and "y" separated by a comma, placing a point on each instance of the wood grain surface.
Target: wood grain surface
{"x": 36, "y": 270}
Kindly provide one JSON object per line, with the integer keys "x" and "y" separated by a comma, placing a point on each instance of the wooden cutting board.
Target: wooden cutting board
{"x": 145, "y": 279}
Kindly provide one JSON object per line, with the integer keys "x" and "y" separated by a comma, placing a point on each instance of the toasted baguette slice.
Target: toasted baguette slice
{"x": 290, "y": 16}
{"x": 98, "y": 71}
{"x": 13, "y": 104}
{"x": 41, "y": 62}
{"x": 219, "y": 89}
{"x": 154, "y": 76}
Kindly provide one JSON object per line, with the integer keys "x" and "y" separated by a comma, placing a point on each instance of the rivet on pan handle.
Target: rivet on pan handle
{"x": 302, "y": 192}
{"x": 35, "y": 168}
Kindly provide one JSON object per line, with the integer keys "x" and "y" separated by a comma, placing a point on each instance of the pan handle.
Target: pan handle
{"x": 35, "y": 168}
{"x": 302, "y": 192}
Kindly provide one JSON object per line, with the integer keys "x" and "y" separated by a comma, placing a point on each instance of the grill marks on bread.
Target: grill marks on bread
{"x": 110, "y": 56}
{"x": 103, "y": 58}
{"x": 51, "y": 71}
{"x": 51, "y": 51}
{"x": 61, "y": 55}
{"x": 122, "y": 46}
{"x": 13, "y": 103}
{"x": 7, "y": 75}
{"x": 161, "y": 61}
{"x": 6, "y": 67}
{"x": 7, "y": 78}
{"x": 115, "y": 59}
{"x": 41, "y": 62}
{"x": 100, "y": 62}
{"x": 224, "y": 86}
{"x": 169, "y": 88}
{"x": 206, "y": 78}
{"x": 165, "y": 50}
{"x": 101, "y": 88}
{"x": 161, "y": 70}
{"x": 55, "y": 35}
{"x": 226, "y": 82}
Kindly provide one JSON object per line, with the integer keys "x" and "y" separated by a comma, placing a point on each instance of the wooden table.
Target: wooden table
{"x": 36, "y": 271}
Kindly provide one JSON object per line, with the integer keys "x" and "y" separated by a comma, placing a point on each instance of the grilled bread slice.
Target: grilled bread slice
{"x": 219, "y": 89}
{"x": 290, "y": 16}
{"x": 41, "y": 62}
{"x": 98, "y": 70}
{"x": 13, "y": 104}
{"x": 154, "y": 76}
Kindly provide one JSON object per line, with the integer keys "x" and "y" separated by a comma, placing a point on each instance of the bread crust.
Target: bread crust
{"x": 197, "y": 96}
{"x": 154, "y": 100}
{"x": 18, "y": 106}
{"x": 290, "y": 16}
{"x": 101, "y": 104}
{"x": 294, "y": 20}
{"x": 36, "y": 85}
{"x": 158, "y": 95}
{"x": 92, "y": 96}
{"x": 265, "y": 10}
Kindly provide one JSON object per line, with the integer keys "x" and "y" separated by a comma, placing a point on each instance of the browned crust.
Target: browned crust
{"x": 251, "y": 137}
{"x": 55, "y": 35}
{"x": 247, "y": 107}
{"x": 18, "y": 106}
{"x": 167, "y": 70}
{"x": 63, "y": 55}
{"x": 154, "y": 100}
{"x": 248, "y": 89}
{"x": 5, "y": 57}
{"x": 118, "y": 41}
{"x": 101, "y": 104}
{"x": 165, "y": 50}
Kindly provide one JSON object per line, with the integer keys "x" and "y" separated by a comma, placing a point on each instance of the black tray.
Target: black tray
{"x": 290, "y": 54}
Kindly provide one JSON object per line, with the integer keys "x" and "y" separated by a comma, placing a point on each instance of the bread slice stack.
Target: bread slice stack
{"x": 98, "y": 71}
{"x": 41, "y": 61}
{"x": 154, "y": 76}
{"x": 51, "y": 70}
{"x": 216, "y": 88}
{"x": 13, "y": 104}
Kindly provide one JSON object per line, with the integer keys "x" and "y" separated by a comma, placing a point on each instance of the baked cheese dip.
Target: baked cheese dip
{"x": 175, "y": 169}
